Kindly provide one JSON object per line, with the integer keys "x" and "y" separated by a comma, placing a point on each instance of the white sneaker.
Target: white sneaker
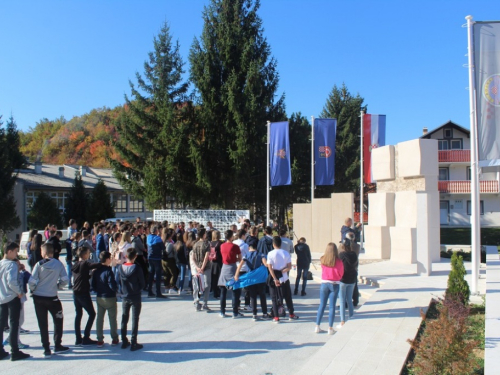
{"x": 318, "y": 330}
{"x": 331, "y": 331}
{"x": 339, "y": 326}
{"x": 179, "y": 292}
{"x": 247, "y": 308}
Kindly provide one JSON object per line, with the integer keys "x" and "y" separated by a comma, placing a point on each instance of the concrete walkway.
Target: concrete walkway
{"x": 375, "y": 341}
{"x": 492, "y": 333}
{"x": 177, "y": 339}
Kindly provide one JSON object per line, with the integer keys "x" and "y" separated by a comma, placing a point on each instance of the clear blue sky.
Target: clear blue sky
{"x": 65, "y": 58}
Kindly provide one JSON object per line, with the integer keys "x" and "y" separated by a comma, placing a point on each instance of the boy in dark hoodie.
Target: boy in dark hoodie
{"x": 81, "y": 296}
{"x": 104, "y": 284}
{"x": 132, "y": 282}
{"x": 265, "y": 245}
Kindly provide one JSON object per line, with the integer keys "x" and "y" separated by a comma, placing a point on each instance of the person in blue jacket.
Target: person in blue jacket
{"x": 155, "y": 251}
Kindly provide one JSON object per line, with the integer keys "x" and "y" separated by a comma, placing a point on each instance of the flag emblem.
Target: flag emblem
{"x": 281, "y": 153}
{"x": 325, "y": 151}
{"x": 491, "y": 90}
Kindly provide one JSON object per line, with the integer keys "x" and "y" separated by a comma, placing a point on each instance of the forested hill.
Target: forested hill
{"x": 83, "y": 140}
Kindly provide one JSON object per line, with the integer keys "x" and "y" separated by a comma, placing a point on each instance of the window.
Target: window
{"x": 456, "y": 144}
{"x": 481, "y": 207}
{"x": 61, "y": 199}
{"x": 469, "y": 174}
{"x": 119, "y": 201}
{"x": 31, "y": 197}
{"x": 136, "y": 205}
{"x": 448, "y": 133}
{"x": 442, "y": 144}
{"x": 443, "y": 174}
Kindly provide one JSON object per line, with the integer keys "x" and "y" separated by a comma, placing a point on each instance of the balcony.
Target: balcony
{"x": 454, "y": 156}
{"x": 463, "y": 187}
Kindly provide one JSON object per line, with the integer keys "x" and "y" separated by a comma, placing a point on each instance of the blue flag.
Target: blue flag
{"x": 279, "y": 154}
{"x": 324, "y": 151}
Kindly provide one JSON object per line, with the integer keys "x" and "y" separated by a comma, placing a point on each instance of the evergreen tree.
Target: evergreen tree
{"x": 154, "y": 130}
{"x": 458, "y": 288}
{"x": 344, "y": 107}
{"x": 10, "y": 160}
{"x": 44, "y": 211}
{"x": 76, "y": 207}
{"x": 236, "y": 78}
{"x": 100, "y": 206}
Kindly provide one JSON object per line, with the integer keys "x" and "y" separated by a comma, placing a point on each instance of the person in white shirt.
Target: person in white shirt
{"x": 245, "y": 252}
{"x": 279, "y": 263}
{"x": 286, "y": 243}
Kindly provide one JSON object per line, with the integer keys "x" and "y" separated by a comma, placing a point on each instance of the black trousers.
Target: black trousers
{"x": 10, "y": 311}
{"x": 136, "y": 305}
{"x": 83, "y": 301}
{"x": 235, "y": 299}
{"x": 258, "y": 290}
{"x": 141, "y": 261}
{"x": 44, "y": 306}
{"x": 355, "y": 295}
{"x": 215, "y": 280}
{"x": 285, "y": 290}
{"x": 155, "y": 274}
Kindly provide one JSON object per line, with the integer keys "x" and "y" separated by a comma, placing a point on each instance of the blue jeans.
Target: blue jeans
{"x": 182, "y": 275}
{"x": 155, "y": 270}
{"x": 303, "y": 272}
{"x": 68, "y": 271}
{"x": 327, "y": 292}
{"x": 346, "y": 291}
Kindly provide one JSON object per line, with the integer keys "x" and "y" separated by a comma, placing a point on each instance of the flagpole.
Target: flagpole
{"x": 312, "y": 158}
{"x": 268, "y": 191}
{"x": 474, "y": 217}
{"x": 361, "y": 188}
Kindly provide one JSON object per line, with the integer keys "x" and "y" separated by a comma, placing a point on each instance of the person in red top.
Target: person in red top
{"x": 231, "y": 255}
{"x": 332, "y": 270}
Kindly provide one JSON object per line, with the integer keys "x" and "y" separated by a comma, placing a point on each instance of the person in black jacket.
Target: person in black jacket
{"x": 132, "y": 282}
{"x": 252, "y": 239}
{"x": 81, "y": 295}
{"x": 55, "y": 240}
{"x": 303, "y": 262}
{"x": 348, "y": 281}
{"x": 104, "y": 284}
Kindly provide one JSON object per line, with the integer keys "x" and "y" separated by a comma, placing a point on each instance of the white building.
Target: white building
{"x": 454, "y": 179}
{"x": 57, "y": 180}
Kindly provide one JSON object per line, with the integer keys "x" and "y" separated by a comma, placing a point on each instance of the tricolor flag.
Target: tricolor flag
{"x": 279, "y": 154}
{"x": 324, "y": 151}
{"x": 373, "y": 137}
{"x": 487, "y": 82}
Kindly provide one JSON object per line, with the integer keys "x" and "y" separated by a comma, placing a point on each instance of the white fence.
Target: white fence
{"x": 220, "y": 219}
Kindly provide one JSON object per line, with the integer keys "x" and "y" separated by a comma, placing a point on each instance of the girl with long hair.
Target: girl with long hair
{"x": 348, "y": 281}
{"x": 332, "y": 270}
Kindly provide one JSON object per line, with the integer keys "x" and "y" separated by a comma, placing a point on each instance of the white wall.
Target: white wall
{"x": 459, "y": 217}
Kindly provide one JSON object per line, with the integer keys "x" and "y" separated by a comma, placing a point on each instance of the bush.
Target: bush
{"x": 458, "y": 289}
{"x": 444, "y": 348}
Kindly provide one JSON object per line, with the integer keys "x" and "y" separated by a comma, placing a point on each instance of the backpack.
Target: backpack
{"x": 212, "y": 256}
{"x": 281, "y": 309}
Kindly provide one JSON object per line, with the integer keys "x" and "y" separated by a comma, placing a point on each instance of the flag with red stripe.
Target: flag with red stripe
{"x": 373, "y": 137}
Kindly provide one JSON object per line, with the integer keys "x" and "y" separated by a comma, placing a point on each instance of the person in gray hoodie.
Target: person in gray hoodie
{"x": 48, "y": 276}
{"x": 11, "y": 293}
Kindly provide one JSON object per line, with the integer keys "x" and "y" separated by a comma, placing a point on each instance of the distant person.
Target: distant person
{"x": 201, "y": 268}
{"x": 216, "y": 263}
{"x": 303, "y": 263}
{"x": 265, "y": 244}
{"x": 55, "y": 239}
{"x": 253, "y": 237}
{"x": 231, "y": 255}
{"x": 169, "y": 262}
{"x": 245, "y": 252}
{"x": 347, "y": 228}
{"x": 100, "y": 241}
{"x": 132, "y": 283}
{"x": 332, "y": 270}
{"x": 279, "y": 263}
{"x": 35, "y": 250}
{"x": 104, "y": 284}
{"x": 350, "y": 242}
{"x": 48, "y": 276}
{"x": 350, "y": 261}
{"x": 155, "y": 251}
{"x": 11, "y": 293}
{"x": 72, "y": 227}
{"x": 286, "y": 243}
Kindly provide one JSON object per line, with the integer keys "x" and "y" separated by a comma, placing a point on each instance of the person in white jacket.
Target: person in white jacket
{"x": 11, "y": 292}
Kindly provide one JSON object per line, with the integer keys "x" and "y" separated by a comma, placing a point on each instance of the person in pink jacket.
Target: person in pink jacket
{"x": 332, "y": 271}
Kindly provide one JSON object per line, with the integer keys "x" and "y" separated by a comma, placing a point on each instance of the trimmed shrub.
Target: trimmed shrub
{"x": 458, "y": 289}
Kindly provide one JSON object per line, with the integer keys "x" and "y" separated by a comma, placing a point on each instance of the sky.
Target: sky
{"x": 405, "y": 58}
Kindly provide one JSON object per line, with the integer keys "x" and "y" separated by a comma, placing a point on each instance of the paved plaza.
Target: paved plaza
{"x": 178, "y": 339}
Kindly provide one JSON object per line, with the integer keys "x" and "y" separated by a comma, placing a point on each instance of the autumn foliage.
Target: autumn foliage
{"x": 84, "y": 140}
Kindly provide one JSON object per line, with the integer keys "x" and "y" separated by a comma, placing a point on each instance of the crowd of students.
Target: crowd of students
{"x": 123, "y": 260}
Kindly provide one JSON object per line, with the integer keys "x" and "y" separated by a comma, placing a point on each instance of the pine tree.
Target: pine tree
{"x": 154, "y": 130}
{"x": 237, "y": 79}
{"x": 99, "y": 206}
{"x": 10, "y": 160}
{"x": 76, "y": 208}
{"x": 458, "y": 288}
{"x": 344, "y": 107}
{"x": 44, "y": 211}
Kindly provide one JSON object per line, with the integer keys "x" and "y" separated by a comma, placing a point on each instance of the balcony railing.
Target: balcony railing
{"x": 458, "y": 187}
{"x": 454, "y": 156}
{"x": 365, "y": 217}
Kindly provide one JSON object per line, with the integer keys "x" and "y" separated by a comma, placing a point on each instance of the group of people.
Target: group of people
{"x": 122, "y": 260}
